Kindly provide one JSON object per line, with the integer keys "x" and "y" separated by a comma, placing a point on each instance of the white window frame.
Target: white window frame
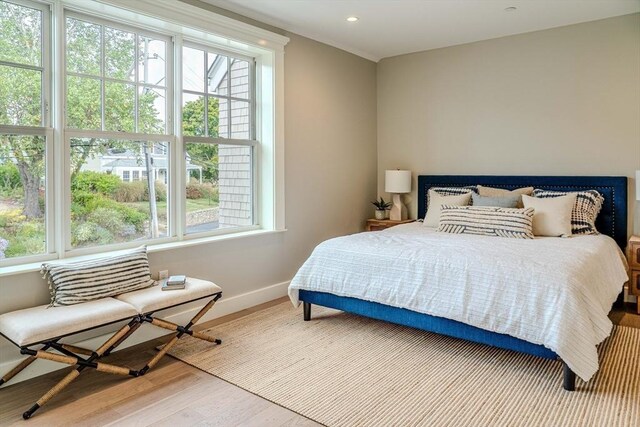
{"x": 180, "y": 21}
{"x": 251, "y": 142}
{"x": 45, "y": 130}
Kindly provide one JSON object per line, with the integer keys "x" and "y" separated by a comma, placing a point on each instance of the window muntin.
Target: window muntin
{"x": 116, "y": 78}
{"x": 222, "y": 87}
{"x": 22, "y": 64}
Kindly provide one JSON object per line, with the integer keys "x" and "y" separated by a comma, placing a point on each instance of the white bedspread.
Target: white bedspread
{"x": 550, "y": 291}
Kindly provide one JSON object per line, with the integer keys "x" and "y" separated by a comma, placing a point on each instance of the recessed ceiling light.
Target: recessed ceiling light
{"x": 352, "y": 18}
{"x": 510, "y": 9}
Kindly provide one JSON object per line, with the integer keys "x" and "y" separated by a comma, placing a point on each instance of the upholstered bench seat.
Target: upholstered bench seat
{"x": 154, "y": 298}
{"x": 34, "y": 325}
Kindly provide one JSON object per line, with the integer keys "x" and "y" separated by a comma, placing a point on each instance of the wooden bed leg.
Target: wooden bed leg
{"x": 307, "y": 310}
{"x": 569, "y": 381}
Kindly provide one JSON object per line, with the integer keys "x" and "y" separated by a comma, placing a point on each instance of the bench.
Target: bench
{"x": 45, "y": 326}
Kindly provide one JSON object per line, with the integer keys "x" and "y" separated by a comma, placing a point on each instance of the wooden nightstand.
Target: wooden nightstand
{"x": 633, "y": 255}
{"x": 381, "y": 224}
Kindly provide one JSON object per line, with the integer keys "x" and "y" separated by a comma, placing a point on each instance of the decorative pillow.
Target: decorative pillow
{"x": 487, "y": 221}
{"x": 552, "y": 216}
{"x": 451, "y": 191}
{"x": 78, "y": 282}
{"x": 585, "y": 210}
{"x": 510, "y": 201}
{"x": 501, "y": 192}
{"x": 437, "y": 200}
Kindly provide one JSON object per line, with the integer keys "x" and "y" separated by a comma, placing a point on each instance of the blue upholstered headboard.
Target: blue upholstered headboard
{"x": 611, "y": 221}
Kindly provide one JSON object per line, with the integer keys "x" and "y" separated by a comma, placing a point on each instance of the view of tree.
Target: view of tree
{"x": 204, "y": 155}
{"x": 22, "y": 157}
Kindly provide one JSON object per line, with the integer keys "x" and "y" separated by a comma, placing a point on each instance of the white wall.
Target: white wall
{"x": 562, "y": 101}
{"x": 330, "y": 176}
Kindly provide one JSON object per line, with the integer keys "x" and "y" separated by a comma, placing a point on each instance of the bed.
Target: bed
{"x": 548, "y": 297}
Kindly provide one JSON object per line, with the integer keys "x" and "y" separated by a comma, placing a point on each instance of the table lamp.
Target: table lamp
{"x": 397, "y": 182}
{"x": 638, "y": 186}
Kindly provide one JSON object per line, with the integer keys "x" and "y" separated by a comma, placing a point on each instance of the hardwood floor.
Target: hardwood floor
{"x": 171, "y": 394}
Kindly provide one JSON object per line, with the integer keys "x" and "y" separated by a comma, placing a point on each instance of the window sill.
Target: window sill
{"x": 35, "y": 266}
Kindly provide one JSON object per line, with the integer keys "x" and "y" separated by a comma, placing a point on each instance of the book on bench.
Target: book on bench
{"x": 174, "y": 282}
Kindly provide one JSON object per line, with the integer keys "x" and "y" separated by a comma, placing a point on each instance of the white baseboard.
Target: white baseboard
{"x": 222, "y": 308}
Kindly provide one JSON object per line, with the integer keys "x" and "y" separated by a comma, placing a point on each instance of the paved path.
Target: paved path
{"x": 206, "y": 226}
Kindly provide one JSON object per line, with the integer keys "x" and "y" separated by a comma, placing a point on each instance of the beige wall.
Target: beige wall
{"x": 330, "y": 177}
{"x": 562, "y": 101}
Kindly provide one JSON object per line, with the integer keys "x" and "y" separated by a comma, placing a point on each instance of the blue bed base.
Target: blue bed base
{"x": 611, "y": 221}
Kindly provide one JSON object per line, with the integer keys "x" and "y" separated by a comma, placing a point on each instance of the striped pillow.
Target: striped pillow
{"x": 585, "y": 210}
{"x": 452, "y": 191}
{"x": 487, "y": 221}
{"x": 79, "y": 282}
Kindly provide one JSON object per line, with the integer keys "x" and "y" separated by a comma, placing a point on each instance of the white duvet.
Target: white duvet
{"x": 550, "y": 291}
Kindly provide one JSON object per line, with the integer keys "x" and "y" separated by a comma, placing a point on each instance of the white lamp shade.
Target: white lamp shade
{"x": 638, "y": 186}
{"x": 397, "y": 181}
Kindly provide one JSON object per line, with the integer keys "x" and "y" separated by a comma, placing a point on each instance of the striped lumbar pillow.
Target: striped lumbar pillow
{"x": 84, "y": 281}
{"x": 487, "y": 221}
{"x": 585, "y": 210}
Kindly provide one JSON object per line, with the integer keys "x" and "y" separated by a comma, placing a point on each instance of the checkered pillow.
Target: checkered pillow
{"x": 585, "y": 211}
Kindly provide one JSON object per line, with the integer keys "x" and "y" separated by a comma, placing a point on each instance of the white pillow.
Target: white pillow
{"x": 552, "y": 216}
{"x": 435, "y": 204}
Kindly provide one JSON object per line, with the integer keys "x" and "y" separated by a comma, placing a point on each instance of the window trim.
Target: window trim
{"x": 180, "y": 21}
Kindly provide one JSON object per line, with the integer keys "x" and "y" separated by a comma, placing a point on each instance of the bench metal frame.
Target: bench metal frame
{"x": 73, "y": 355}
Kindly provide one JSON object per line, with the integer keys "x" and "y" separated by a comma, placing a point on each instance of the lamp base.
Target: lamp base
{"x": 398, "y": 210}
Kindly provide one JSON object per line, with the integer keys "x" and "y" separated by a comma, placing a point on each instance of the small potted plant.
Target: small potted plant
{"x": 381, "y": 208}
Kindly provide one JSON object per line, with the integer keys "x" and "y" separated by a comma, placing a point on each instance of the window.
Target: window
{"x": 24, "y": 139}
{"x": 116, "y": 85}
{"x": 141, "y": 156}
{"x": 217, "y": 114}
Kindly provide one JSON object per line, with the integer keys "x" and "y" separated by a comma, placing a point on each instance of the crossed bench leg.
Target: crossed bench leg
{"x": 70, "y": 355}
{"x": 180, "y": 331}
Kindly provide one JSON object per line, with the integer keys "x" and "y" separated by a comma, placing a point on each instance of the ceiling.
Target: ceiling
{"x": 394, "y": 27}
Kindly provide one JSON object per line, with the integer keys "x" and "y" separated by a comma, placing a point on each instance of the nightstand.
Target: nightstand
{"x": 381, "y": 224}
{"x": 633, "y": 255}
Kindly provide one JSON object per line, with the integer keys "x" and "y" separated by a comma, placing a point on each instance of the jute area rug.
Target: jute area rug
{"x": 346, "y": 370}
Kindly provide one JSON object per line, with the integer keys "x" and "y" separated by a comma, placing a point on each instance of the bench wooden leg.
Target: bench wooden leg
{"x": 20, "y": 366}
{"x": 180, "y": 331}
{"x": 70, "y": 357}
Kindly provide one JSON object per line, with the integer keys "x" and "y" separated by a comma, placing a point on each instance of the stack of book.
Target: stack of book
{"x": 174, "y": 282}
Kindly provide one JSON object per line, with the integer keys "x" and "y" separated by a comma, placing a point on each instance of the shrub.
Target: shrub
{"x": 197, "y": 190}
{"x": 161, "y": 191}
{"x": 95, "y": 182}
{"x": 129, "y": 192}
{"x": 136, "y": 191}
{"x": 88, "y": 232}
{"x": 10, "y": 183}
{"x": 84, "y": 204}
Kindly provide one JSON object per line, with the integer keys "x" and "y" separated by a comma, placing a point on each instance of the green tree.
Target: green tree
{"x": 21, "y": 102}
{"x": 203, "y": 155}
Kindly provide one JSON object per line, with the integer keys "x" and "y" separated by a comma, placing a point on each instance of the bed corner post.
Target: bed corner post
{"x": 307, "y": 310}
{"x": 569, "y": 380}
